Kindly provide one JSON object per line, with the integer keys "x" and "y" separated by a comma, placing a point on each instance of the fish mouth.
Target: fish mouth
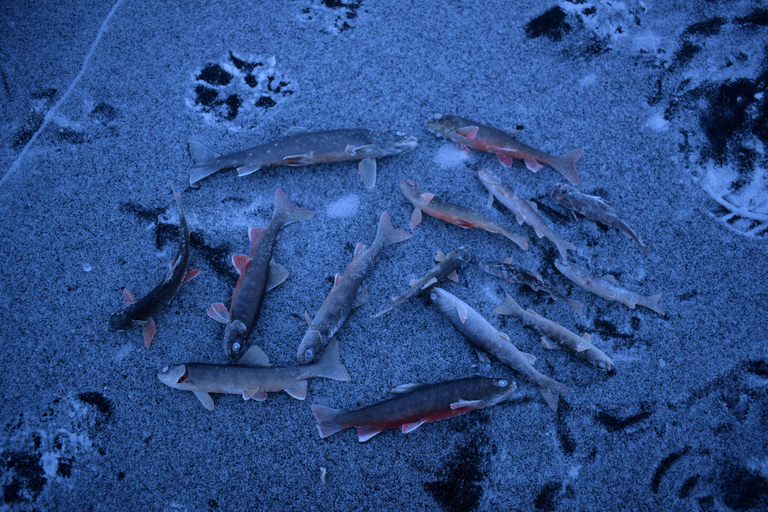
{"x": 407, "y": 144}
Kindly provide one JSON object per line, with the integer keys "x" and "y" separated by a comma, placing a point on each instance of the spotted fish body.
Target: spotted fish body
{"x": 487, "y": 340}
{"x": 446, "y": 268}
{"x": 580, "y": 346}
{"x": 607, "y": 287}
{"x": 452, "y": 213}
{"x": 142, "y": 310}
{"x": 258, "y": 274}
{"x": 347, "y": 291}
{"x": 594, "y": 208}
{"x": 422, "y": 404}
{"x": 467, "y": 133}
{"x": 305, "y": 148}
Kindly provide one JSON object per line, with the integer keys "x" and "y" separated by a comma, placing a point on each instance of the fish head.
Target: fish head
{"x": 488, "y": 178}
{"x": 601, "y": 361}
{"x": 120, "y": 319}
{"x": 393, "y": 142}
{"x": 463, "y": 254}
{"x": 173, "y": 376}
{"x": 310, "y": 346}
{"x": 411, "y": 190}
{"x": 234, "y": 338}
{"x": 504, "y": 389}
{"x": 446, "y": 126}
{"x": 560, "y": 192}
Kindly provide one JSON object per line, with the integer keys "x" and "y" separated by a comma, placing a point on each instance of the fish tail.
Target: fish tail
{"x": 521, "y": 241}
{"x": 510, "y": 307}
{"x": 566, "y": 165}
{"x": 283, "y": 206}
{"x": 205, "y": 162}
{"x": 329, "y": 366}
{"x": 551, "y": 390}
{"x": 328, "y": 420}
{"x": 576, "y": 305}
{"x": 182, "y": 217}
{"x": 643, "y": 247}
{"x": 563, "y": 246}
{"x": 388, "y": 234}
{"x": 652, "y": 302}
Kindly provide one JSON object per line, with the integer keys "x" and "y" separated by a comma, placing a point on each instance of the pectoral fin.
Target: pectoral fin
{"x": 453, "y": 276}
{"x": 415, "y": 218}
{"x": 461, "y": 310}
{"x": 277, "y": 275}
{"x": 218, "y": 312}
{"x": 367, "y": 168}
{"x": 299, "y": 159}
{"x": 148, "y": 331}
{"x": 129, "y": 298}
{"x": 469, "y": 132}
{"x": 482, "y": 356}
{"x": 205, "y": 399}
{"x": 427, "y": 197}
{"x": 429, "y": 283}
{"x": 462, "y": 404}
{"x": 240, "y": 261}
{"x": 189, "y": 276}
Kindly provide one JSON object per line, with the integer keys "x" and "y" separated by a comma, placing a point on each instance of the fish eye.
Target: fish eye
{"x": 400, "y": 134}
{"x": 601, "y": 364}
{"x": 235, "y": 347}
{"x": 309, "y": 354}
{"x": 433, "y": 296}
{"x": 164, "y": 369}
{"x": 502, "y": 383}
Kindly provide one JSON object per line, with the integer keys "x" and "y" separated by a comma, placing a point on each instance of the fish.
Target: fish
{"x": 580, "y": 346}
{"x": 446, "y": 268}
{"x": 607, "y": 287}
{"x": 258, "y": 273}
{"x": 302, "y": 147}
{"x": 251, "y": 377}
{"x": 141, "y": 311}
{"x": 419, "y": 405}
{"x": 452, "y": 213}
{"x": 524, "y": 211}
{"x": 596, "y": 209}
{"x": 517, "y": 274}
{"x": 487, "y": 340}
{"x": 348, "y": 291}
{"x": 466, "y": 133}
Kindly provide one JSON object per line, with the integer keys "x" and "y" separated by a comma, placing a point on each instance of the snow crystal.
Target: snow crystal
{"x": 345, "y": 207}
{"x": 657, "y": 122}
{"x": 448, "y": 156}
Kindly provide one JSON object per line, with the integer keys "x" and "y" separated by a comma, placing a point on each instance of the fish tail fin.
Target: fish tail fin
{"x": 643, "y": 247}
{"x": 652, "y": 302}
{"x": 521, "y": 241}
{"x": 389, "y": 234}
{"x": 328, "y": 420}
{"x": 293, "y": 214}
{"x": 329, "y": 366}
{"x": 204, "y": 159}
{"x": 566, "y": 165}
{"x": 551, "y": 390}
{"x": 576, "y": 305}
{"x": 563, "y": 246}
{"x": 510, "y": 307}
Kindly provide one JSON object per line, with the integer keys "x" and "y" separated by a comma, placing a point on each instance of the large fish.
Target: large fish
{"x": 347, "y": 292}
{"x": 580, "y": 346}
{"x": 594, "y": 208}
{"x": 519, "y": 275}
{"x": 141, "y": 311}
{"x": 422, "y": 404}
{"x": 446, "y": 268}
{"x": 452, "y": 213}
{"x": 258, "y": 274}
{"x": 607, "y": 287}
{"x": 251, "y": 377}
{"x": 486, "y": 340}
{"x": 523, "y": 210}
{"x": 303, "y": 147}
{"x": 466, "y": 133}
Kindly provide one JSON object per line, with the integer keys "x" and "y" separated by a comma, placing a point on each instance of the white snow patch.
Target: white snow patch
{"x": 50, "y": 464}
{"x": 586, "y": 81}
{"x": 448, "y": 156}
{"x": 657, "y": 122}
{"x": 123, "y": 352}
{"x": 345, "y": 207}
{"x": 647, "y": 42}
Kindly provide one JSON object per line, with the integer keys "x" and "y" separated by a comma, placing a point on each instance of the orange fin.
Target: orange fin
{"x": 240, "y": 261}
{"x": 189, "y": 276}
{"x": 128, "y": 296}
{"x": 505, "y": 160}
{"x": 470, "y": 132}
{"x": 149, "y": 330}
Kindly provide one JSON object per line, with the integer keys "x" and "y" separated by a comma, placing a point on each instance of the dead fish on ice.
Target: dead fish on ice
{"x": 523, "y": 210}
{"x": 487, "y": 340}
{"x": 519, "y": 275}
{"x": 258, "y": 274}
{"x": 466, "y": 133}
{"x": 302, "y": 147}
{"x": 251, "y": 377}
{"x": 607, "y": 287}
{"x": 580, "y": 346}
{"x": 140, "y": 311}
{"x": 596, "y": 209}
{"x": 452, "y": 213}
{"x": 446, "y": 268}
{"x": 347, "y": 292}
{"x": 421, "y": 404}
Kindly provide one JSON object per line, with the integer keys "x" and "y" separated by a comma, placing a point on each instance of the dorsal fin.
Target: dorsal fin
{"x": 254, "y": 357}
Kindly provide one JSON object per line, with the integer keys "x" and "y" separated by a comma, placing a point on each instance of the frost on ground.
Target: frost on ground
{"x": 449, "y": 157}
{"x": 345, "y": 207}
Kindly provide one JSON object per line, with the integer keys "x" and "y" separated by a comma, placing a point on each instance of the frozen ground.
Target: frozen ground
{"x": 667, "y": 99}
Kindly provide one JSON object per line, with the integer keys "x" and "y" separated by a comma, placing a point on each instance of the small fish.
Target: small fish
{"x": 486, "y": 340}
{"x": 607, "y": 287}
{"x": 302, "y": 147}
{"x": 446, "y": 268}
{"x": 594, "y": 208}
{"x": 258, "y": 274}
{"x": 523, "y": 210}
{"x": 251, "y": 377}
{"x": 422, "y": 404}
{"x": 466, "y": 133}
{"x": 580, "y": 346}
{"x": 348, "y": 291}
{"x": 517, "y": 274}
{"x": 140, "y": 311}
{"x": 452, "y": 213}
